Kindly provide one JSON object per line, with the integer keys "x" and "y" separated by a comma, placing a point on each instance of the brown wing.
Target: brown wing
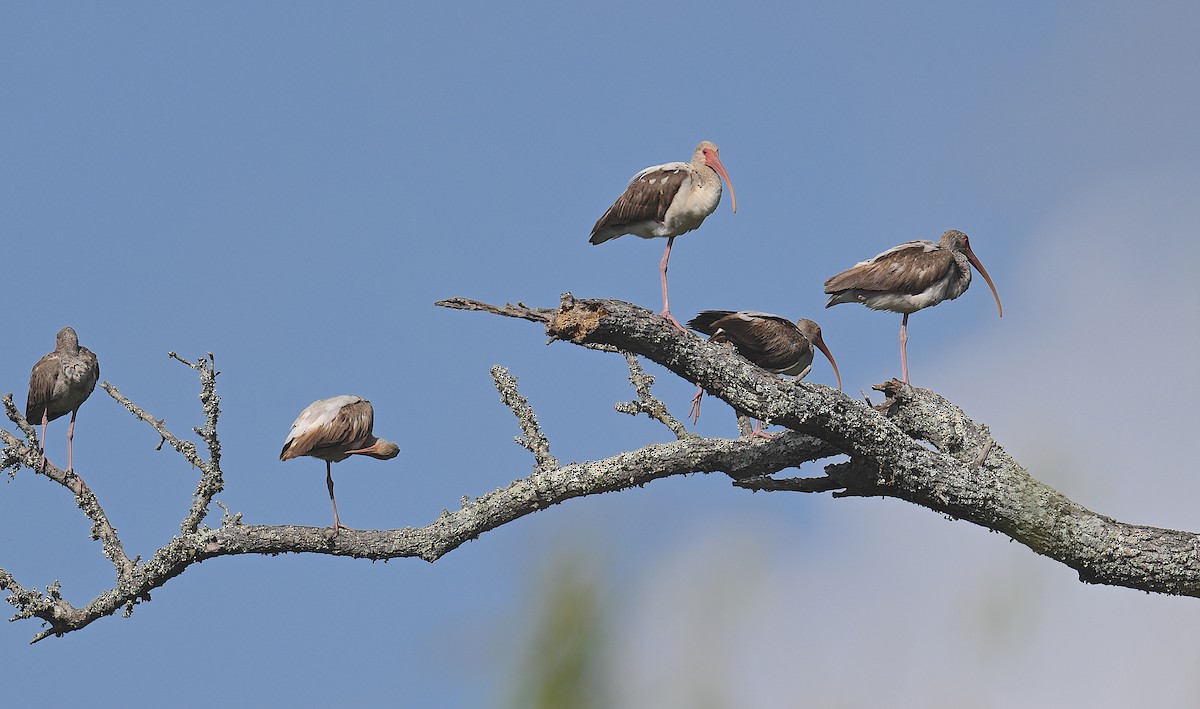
{"x": 320, "y": 431}
{"x": 909, "y": 269}
{"x": 769, "y": 341}
{"x": 95, "y": 365}
{"x": 647, "y": 198}
{"x": 95, "y": 362}
{"x": 41, "y": 387}
{"x": 705, "y": 321}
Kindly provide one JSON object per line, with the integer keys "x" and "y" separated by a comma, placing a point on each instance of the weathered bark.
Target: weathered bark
{"x": 968, "y": 476}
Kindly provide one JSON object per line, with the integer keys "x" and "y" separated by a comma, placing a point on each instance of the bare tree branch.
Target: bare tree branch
{"x": 211, "y": 479}
{"x": 29, "y": 456}
{"x": 647, "y": 403}
{"x": 533, "y": 440}
{"x": 968, "y": 476}
{"x": 888, "y": 460}
{"x": 186, "y": 448}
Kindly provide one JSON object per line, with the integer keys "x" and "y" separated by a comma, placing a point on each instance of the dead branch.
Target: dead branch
{"x": 968, "y": 476}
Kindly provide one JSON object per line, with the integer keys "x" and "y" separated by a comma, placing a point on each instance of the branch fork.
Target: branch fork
{"x": 968, "y": 476}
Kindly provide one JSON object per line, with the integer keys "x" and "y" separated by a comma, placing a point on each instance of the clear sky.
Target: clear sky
{"x": 292, "y": 185}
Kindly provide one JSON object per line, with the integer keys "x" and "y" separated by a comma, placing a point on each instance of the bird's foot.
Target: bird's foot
{"x": 667, "y": 314}
{"x": 82, "y": 484}
{"x": 758, "y": 432}
{"x": 337, "y": 527}
{"x": 694, "y": 412}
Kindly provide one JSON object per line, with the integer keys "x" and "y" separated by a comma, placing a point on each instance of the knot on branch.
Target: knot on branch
{"x": 575, "y": 320}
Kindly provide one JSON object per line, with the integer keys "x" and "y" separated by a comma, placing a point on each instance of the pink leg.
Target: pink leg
{"x": 904, "y": 347}
{"x": 666, "y": 311}
{"x": 71, "y": 448}
{"x": 694, "y": 412}
{"x": 337, "y": 523}
{"x": 71, "y": 443}
{"x": 42, "y": 441}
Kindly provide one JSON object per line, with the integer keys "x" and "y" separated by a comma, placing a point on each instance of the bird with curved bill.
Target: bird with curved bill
{"x": 59, "y": 384}
{"x": 772, "y": 342}
{"x": 910, "y": 277}
{"x": 333, "y": 430}
{"x": 666, "y": 201}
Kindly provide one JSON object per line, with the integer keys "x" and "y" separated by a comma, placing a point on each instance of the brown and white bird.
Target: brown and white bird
{"x": 772, "y": 342}
{"x": 59, "y": 384}
{"x": 909, "y": 277}
{"x": 667, "y": 200}
{"x": 334, "y": 429}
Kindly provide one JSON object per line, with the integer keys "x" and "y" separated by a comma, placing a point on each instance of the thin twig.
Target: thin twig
{"x": 987, "y": 448}
{"x": 520, "y": 310}
{"x": 533, "y": 439}
{"x": 212, "y": 480}
{"x": 186, "y": 448}
{"x": 745, "y": 425}
{"x": 647, "y": 403}
{"x": 14, "y": 415}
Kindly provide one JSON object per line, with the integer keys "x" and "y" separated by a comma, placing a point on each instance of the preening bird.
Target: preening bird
{"x": 667, "y": 200}
{"x": 909, "y": 277}
{"x": 334, "y": 429}
{"x": 770, "y": 341}
{"x": 59, "y": 384}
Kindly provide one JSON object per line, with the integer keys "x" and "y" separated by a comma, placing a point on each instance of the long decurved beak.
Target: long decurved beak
{"x": 983, "y": 272}
{"x": 714, "y": 161}
{"x": 820, "y": 343}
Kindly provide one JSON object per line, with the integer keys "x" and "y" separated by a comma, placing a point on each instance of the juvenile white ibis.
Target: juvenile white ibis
{"x": 59, "y": 384}
{"x": 909, "y": 277}
{"x": 334, "y": 429}
{"x": 667, "y": 200}
{"x": 772, "y": 342}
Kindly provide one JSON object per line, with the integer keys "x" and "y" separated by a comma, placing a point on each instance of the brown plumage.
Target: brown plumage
{"x": 59, "y": 384}
{"x": 666, "y": 201}
{"x": 647, "y": 199}
{"x": 334, "y": 429}
{"x": 910, "y": 277}
{"x": 772, "y": 342}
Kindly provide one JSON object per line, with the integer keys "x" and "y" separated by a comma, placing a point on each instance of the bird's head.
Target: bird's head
{"x": 812, "y": 331}
{"x": 958, "y": 241}
{"x": 712, "y": 158}
{"x": 67, "y": 340}
{"x": 384, "y": 450}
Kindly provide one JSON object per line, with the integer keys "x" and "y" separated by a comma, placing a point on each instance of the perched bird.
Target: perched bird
{"x": 334, "y": 429}
{"x": 667, "y": 200}
{"x": 909, "y": 277}
{"x": 59, "y": 384}
{"x": 772, "y": 342}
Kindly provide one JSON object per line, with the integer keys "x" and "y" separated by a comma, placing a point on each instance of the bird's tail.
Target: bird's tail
{"x": 602, "y": 235}
{"x": 706, "y": 319}
{"x": 845, "y": 296}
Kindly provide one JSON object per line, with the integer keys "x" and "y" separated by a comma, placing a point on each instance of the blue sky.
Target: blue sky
{"x": 292, "y": 185}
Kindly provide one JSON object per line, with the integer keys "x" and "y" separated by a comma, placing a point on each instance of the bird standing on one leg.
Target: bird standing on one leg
{"x": 334, "y": 429}
{"x": 772, "y": 342}
{"x": 909, "y": 277}
{"x": 667, "y": 200}
{"x": 59, "y": 384}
